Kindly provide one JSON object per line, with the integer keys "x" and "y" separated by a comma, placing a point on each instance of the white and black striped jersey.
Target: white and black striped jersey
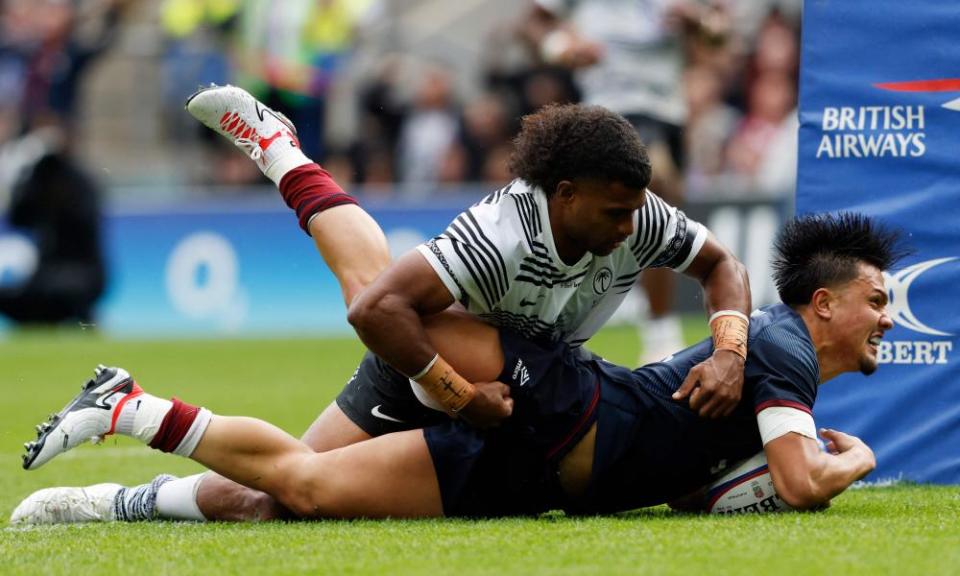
{"x": 499, "y": 260}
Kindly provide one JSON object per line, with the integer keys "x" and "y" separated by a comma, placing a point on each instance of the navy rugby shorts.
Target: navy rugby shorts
{"x": 512, "y": 469}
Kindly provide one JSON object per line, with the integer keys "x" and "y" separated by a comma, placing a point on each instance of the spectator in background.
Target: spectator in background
{"x": 428, "y": 131}
{"x": 48, "y": 45}
{"x": 629, "y": 57}
{"x": 58, "y": 205}
{"x": 290, "y": 58}
{"x": 47, "y": 48}
{"x": 761, "y": 151}
{"x": 381, "y": 119}
{"x": 710, "y": 123}
{"x": 483, "y": 142}
{"x": 197, "y": 52}
{"x": 199, "y": 41}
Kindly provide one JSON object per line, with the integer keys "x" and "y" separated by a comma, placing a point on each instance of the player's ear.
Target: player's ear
{"x": 822, "y": 303}
{"x": 565, "y": 191}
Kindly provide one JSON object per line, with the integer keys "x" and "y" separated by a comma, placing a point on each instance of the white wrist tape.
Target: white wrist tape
{"x": 426, "y": 368}
{"x": 720, "y": 313}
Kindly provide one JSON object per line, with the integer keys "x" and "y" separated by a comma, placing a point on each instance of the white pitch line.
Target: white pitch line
{"x": 104, "y": 452}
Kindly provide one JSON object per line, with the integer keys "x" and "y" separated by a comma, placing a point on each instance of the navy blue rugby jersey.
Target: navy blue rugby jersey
{"x": 651, "y": 449}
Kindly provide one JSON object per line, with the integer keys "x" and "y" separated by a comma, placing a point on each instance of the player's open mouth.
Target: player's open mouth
{"x": 874, "y": 341}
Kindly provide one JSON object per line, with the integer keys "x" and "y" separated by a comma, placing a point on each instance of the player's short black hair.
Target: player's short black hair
{"x": 822, "y": 250}
{"x": 564, "y": 142}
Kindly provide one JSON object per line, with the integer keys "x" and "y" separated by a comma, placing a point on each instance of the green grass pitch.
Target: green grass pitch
{"x": 898, "y": 530}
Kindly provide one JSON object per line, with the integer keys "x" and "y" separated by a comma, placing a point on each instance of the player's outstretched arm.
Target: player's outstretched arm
{"x": 388, "y": 317}
{"x": 807, "y": 477}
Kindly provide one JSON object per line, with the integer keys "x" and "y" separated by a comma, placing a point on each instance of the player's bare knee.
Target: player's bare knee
{"x": 309, "y": 491}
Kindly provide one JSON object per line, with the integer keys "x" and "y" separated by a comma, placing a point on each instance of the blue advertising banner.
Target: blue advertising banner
{"x": 225, "y": 268}
{"x": 880, "y": 134}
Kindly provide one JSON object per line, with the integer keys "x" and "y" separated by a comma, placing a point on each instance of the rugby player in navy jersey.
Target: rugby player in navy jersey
{"x": 585, "y": 436}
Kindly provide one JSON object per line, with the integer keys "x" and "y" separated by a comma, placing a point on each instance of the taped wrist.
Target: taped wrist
{"x": 444, "y": 385}
{"x": 309, "y": 190}
{"x": 729, "y": 329}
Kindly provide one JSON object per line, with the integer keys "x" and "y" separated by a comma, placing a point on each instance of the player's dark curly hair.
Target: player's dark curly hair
{"x": 822, "y": 250}
{"x": 564, "y": 142}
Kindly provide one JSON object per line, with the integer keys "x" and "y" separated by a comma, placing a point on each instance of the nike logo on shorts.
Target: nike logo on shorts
{"x": 378, "y": 414}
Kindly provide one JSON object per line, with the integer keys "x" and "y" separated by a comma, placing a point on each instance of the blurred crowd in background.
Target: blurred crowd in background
{"x": 378, "y": 106}
{"x": 396, "y": 98}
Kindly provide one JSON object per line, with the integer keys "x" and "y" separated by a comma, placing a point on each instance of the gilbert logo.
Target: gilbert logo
{"x": 925, "y": 350}
{"x": 898, "y": 284}
{"x": 520, "y": 373}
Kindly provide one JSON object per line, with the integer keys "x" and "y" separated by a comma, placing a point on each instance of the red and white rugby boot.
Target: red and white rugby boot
{"x": 265, "y": 135}
{"x": 91, "y": 415}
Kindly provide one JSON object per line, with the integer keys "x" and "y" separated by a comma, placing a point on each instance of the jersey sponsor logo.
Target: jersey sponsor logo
{"x": 520, "y": 373}
{"x": 921, "y": 351}
{"x": 602, "y": 280}
{"x": 378, "y": 414}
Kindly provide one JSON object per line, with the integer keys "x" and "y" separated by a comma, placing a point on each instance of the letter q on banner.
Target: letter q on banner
{"x": 202, "y": 275}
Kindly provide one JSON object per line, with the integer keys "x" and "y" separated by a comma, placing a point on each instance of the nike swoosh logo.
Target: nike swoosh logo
{"x": 378, "y": 414}
{"x": 525, "y": 302}
{"x": 101, "y": 401}
{"x": 259, "y": 110}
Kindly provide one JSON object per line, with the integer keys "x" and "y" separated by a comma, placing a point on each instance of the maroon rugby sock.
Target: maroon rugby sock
{"x": 309, "y": 189}
{"x": 175, "y": 426}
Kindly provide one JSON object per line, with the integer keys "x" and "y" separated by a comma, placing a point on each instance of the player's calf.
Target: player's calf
{"x": 222, "y": 499}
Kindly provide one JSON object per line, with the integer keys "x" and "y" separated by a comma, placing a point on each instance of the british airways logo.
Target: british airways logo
{"x": 882, "y": 131}
{"x": 920, "y": 351}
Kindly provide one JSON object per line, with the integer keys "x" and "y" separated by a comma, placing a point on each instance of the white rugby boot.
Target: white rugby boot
{"x": 266, "y": 136}
{"x": 91, "y": 415}
{"x": 68, "y": 505}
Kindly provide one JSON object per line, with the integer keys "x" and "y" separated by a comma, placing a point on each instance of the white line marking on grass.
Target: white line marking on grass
{"x": 105, "y": 453}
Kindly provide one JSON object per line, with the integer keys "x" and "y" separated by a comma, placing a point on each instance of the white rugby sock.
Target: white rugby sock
{"x": 177, "y": 499}
{"x": 291, "y": 158}
{"x": 141, "y": 417}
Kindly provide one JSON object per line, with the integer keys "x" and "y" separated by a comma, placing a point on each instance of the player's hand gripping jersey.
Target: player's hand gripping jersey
{"x": 499, "y": 260}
